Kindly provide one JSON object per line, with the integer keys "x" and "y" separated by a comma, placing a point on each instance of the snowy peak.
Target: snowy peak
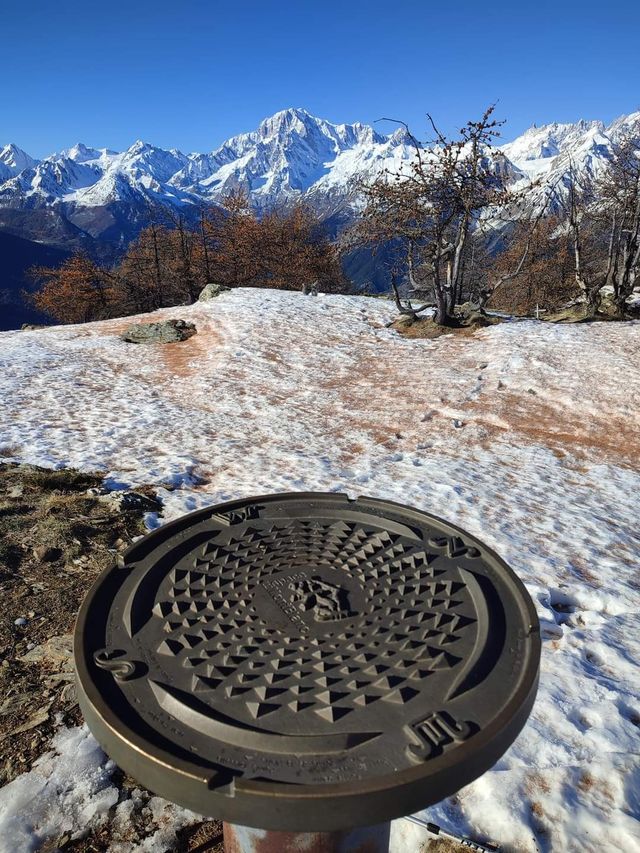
{"x": 545, "y": 152}
{"x": 287, "y": 125}
{"x": 625, "y": 127}
{"x": 286, "y": 155}
{"x": 14, "y": 160}
{"x": 144, "y": 160}
{"x": 81, "y": 153}
{"x": 285, "y": 122}
{"x": 549, "y": 140}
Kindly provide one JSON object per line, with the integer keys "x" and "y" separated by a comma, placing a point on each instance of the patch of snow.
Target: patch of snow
{"x": 281, "y": 392}
{"x": 69, "y": 791}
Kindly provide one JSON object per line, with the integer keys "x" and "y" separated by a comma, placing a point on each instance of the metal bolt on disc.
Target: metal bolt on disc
{"x": 307, "y": 661}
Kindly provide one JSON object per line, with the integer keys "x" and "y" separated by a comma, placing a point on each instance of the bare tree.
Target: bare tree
{"x": 604, "y": 222}
{"x": 534, "y": 269}
{"x": 579, "y": 200}
{"x": 529, "y": 240}
{"x": 619, "y": 194}
{"x": 432, "y": 207}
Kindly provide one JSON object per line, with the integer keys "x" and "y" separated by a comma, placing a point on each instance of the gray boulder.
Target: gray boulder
{"x": 164, "y": 332}
{"x": 211, "y": 290}
{"x": 121, "y": 500}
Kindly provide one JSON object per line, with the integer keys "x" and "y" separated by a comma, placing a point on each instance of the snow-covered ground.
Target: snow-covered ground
{"x": 526, "y": 434}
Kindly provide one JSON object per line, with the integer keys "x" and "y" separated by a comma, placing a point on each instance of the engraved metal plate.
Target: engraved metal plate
{"x": 307, "y": 662}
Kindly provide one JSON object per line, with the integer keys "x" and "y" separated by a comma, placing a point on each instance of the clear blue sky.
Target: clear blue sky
{"x": 190, "y": 74}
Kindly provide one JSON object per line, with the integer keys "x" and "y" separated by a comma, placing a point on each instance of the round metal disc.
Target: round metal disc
{"x": 307, "y": 661}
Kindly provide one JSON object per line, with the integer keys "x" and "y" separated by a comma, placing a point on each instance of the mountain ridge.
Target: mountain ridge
{"x": 110, "y": 195}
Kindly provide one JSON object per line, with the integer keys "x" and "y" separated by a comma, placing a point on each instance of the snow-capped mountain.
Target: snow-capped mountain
{"x": 290, "y": 154}
{"x": 13, "y": 161}
{"x": 545, "y": 154}
{"x": 108, "y": 195}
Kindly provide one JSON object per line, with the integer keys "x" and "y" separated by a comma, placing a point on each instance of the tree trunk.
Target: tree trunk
{"x": 443, "y": 315}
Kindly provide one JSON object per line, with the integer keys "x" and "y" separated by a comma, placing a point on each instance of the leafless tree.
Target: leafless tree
{"x": 604, "y": 221}
{"x": 524, "y": 234}
{"x": 432, "y": 207}
{"x": 619, "y": 194}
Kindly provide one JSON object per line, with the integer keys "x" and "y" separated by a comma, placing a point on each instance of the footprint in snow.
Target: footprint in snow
{"x": 586, "y": 719}
{"x": 630, "y": 713}
{"x": 550, "y": 630}
{"x": 563, "y": 606}
{"x": 594, "y": 658}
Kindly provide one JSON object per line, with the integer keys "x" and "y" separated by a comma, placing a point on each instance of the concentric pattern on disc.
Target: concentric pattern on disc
{"x": 252, "y": 658}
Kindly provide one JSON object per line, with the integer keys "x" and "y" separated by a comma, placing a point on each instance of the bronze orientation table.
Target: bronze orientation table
{"x": 307, "y": 667}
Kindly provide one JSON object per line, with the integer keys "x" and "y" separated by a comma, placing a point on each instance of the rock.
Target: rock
{"x": 56, "y": 650}
{"x": 211, "y": 290}
{"x": 29, "y": 327}
{"x": 20, "y": 622}
{"x": 467, "y": 308}
{"x": 46, "y": 554}
{"x": 479, "y": 318}
{"x": 37, "y": 719}
{"x": 458, "y": 424}
{"x": 310, "y": 289}
{"x": 68, "y": 695}
{"x": 164, "y": 332}
{"x": 121, "y": 501}
{"x": 13, "y": 704}
{"x": 482, "y": 365}
{"x": 96, "y": 492}
{"x": 572, "y": 314}
{"x": 608, "y": 307}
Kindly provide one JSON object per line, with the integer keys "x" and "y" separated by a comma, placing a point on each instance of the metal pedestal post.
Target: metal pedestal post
{"x": 368, "y": 839}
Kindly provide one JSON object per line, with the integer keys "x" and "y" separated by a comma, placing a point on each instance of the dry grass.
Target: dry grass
{"x": 43, "y": 509}
{"x": 54, "y": 541}
{"x": 426, "y": 328}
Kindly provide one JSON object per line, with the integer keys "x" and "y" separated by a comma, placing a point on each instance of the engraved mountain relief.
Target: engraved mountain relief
{"x": 328, "y": 602}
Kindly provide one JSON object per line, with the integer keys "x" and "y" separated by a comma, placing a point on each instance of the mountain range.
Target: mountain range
{"x": 98, "y": 200}
{"x": 105, "y": 194}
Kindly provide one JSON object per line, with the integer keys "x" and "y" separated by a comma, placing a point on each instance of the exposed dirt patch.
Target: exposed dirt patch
{"x": 185, "y": 357}
{"x": 586, "y": 781}
{"x": 197, "y": 838}
{"x": 611, "y": 437}
{"x": 442, "y": 845}
{"x": 201, "y": 837}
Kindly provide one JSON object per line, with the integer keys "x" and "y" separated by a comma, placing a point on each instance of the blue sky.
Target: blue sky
{"x": 191, "y": 74}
